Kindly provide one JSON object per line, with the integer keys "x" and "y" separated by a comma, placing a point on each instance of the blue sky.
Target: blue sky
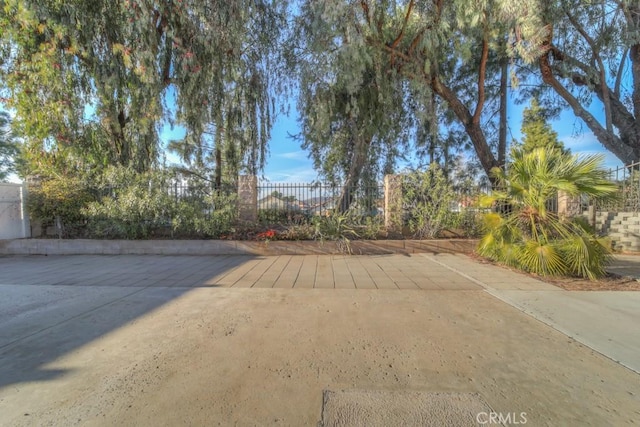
{"x": 287, "y": 161}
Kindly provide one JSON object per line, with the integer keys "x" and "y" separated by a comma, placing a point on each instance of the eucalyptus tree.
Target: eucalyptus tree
{"x": 591, "y": 50}
{"x": 453, "y": 50}
{"x": 354, "y": 115}
{"x": 97, "y": 79}
{"x": 228, "y": 105}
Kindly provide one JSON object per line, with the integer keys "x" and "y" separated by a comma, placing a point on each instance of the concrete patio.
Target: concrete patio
{"x": 255, "y": 340}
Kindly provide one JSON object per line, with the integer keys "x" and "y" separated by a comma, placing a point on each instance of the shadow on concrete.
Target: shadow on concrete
{"x": 625, "y": 265}
{"x": 51, "y": 306}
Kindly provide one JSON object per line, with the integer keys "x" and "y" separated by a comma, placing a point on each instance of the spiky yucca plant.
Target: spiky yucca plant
{"x": 530, "y": 237}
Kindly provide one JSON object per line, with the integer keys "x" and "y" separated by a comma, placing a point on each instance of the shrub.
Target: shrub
{"x": 337, "y": 227}
{"x": 468, "y": 222}
{"x": 133, "y": 214}
{"x": 59, "y": 200}
{"x": 304, "y": 231}
{"x": 427, "y": 200}
{"x": 214, "y": 218}
{"x": 282, "y": 216}
{"x": 137, "y": 206}
{"x": 369, "y": 227}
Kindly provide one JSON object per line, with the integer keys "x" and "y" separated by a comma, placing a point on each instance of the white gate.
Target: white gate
{"x": 14, "y": 221}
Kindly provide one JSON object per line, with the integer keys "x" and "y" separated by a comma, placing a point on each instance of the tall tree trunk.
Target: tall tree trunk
{"x": 218, "y": 171}
{"x": 620, "y": 133}
{"x": 218, "y": 158}
{"x": 502, "y": 132}
{"x": 432, "y": 148}
{"x": 358, "y": 161}
{"x": 446, "y": 158}
{"x": 612, "y": 142}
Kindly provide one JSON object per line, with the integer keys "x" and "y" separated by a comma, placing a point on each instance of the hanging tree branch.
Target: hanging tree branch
{"x": 603, "y": 80}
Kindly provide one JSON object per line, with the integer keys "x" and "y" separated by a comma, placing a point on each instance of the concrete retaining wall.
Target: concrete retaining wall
{"x": 227, "y": 247}
{"x": 623, "y": 228}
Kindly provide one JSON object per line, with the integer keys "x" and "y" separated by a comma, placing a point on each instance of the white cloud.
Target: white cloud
{"x": 292, "y": 175}
{"x": 582, "y": 142}
{"x": 294, "y": 155}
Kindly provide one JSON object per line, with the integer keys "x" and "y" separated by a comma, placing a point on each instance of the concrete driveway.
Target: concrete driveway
{"x": 233, "y": 340}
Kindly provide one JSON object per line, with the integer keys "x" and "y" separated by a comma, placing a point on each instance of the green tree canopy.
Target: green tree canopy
{"x": 91, "y": 83}
{"x": 415, "y": 56}
{"x": 94, "y": 81}
{"x": 355, "y": 119}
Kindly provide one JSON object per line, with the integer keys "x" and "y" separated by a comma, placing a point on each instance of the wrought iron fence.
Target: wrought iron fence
{"x": 468, "y": 196}
{"x": 628, "y": 180}
{"x": 298, "y": 201}
{"x": 174, "y": 206}
{"x": 291, "y": 200}
{"x": 200, "y": 193}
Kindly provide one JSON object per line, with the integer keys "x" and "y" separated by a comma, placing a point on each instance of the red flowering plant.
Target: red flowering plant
{"x": 266, "y": 235}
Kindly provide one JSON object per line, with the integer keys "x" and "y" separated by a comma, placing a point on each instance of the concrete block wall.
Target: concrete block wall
{"x": 14, "y": 221}
{"x": 623, "y": 228}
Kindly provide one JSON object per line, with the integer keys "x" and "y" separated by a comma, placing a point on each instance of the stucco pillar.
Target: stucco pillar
{"x": 248, "y": 198}
{"x": 393, "y": 203}
{"x": 568, "y": 206}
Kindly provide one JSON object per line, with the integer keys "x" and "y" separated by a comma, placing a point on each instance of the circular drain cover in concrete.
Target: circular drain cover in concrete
{"x": 401, "y": 408}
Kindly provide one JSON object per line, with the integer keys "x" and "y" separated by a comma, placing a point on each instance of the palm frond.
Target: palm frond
{"x": 542, "y": 258}
{"x": 586, "y": 256}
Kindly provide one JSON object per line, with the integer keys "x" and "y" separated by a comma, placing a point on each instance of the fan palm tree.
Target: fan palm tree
{"x": 533, "y": 238}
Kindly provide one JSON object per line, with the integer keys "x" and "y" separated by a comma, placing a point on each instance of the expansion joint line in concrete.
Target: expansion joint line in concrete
{"x": 458, "y": 272}
{"x": 496, "y": 294}
{"x": 2, "y": 347}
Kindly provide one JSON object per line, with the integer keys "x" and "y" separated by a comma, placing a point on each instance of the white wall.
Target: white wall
{"x": 14, "y": 221}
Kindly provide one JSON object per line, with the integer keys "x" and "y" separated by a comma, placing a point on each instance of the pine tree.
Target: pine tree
{"x": 536, "y": 132}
